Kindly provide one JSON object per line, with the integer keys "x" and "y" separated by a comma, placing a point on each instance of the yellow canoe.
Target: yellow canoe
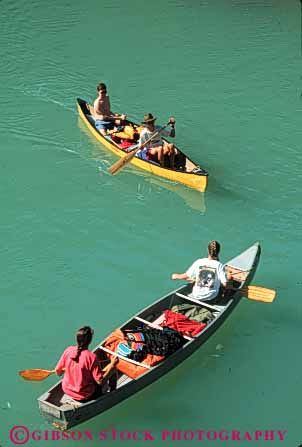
{"x": 186, "y": 172}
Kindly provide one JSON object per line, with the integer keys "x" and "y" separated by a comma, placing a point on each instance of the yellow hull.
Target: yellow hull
{"x": 190, "y": 179}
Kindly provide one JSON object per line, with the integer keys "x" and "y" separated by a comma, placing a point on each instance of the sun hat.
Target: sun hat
{"x": 148, "y": 118}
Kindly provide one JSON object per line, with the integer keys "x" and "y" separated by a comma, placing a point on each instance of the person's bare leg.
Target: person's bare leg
{"x": 169, "y": 150}
{"x": 159, "y": 153}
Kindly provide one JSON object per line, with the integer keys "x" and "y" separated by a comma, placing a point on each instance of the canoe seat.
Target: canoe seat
{"x": 67, "y": 400}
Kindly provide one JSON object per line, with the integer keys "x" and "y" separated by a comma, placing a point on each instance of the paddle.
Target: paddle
{"x": 36, "y": 374}
{"x": 258, "y": 293}
{"x": 255, "y": 293}
{"x": 120, "y": 164}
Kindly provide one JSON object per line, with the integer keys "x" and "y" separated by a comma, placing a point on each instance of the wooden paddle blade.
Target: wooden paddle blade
{"x": 117, "y": 166}
{"x": 35, "y": 374}
{"x": 259, "y": 293}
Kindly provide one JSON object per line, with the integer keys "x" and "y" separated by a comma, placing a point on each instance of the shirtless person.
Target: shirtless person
{"x": 104, "y": 118}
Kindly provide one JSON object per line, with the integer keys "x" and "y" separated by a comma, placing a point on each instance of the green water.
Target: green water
{"x": 79, "y": 246}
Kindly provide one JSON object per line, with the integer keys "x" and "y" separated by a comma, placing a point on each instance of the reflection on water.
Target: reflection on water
{"x": 149, "y": 182}
{"x": 194, "y": 199}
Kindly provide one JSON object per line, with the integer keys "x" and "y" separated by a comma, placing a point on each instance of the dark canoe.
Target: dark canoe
{"x": 64, "y": 413}
{"x": 187, "y": 172}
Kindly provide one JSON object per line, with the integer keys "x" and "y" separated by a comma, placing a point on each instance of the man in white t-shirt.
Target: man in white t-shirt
{"x": 208, "y": 273}
{"x": 156, "y": 149}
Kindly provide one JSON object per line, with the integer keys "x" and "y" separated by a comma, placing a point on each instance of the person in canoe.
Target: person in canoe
{"x": 156, "y": 149}
{"x": 83, "y": 375}
{"x": 104, "y": 119}
{"x": 208, "y": 275}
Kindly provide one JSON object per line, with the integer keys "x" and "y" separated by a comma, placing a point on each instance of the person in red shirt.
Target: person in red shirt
{"x": 83, "y": 376}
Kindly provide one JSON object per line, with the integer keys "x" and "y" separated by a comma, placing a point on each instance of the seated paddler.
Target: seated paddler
{"x": 208, "y": 274}
{"x": 157, "y": 148}
{"x": 83, "y": 376}
{"x": 104, "y": 119}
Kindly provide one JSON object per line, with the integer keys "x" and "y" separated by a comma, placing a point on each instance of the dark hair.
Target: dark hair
{"x": 101, "y": 86}
{"x": 214, "y": 249}
{"x": 84, "y": 337}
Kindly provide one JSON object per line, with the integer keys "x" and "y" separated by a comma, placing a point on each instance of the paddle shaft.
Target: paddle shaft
{"x": 240, "y": 272}
{"x": 116, "y": 167}
{"x": 49, "y": 371}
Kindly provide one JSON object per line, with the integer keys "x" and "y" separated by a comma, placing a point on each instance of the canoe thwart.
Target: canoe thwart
{"x": 156, "y": 326}
{"x": 201, "y": 303}
{"x": 124, "y": 358}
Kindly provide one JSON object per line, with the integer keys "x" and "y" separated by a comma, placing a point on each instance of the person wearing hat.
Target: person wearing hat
{"x": 156, "y": 149}
{"x": 208, "y": 275}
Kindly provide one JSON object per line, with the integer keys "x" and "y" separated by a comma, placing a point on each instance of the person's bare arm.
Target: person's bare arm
{"x": 108, "y": 369}
{"x": 181, "y": 276}
{"x": 172, "y": 124}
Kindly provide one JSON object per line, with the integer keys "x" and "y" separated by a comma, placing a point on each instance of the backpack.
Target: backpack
{"x": 163, "y": 342}
{"x": 151, "y": 341}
